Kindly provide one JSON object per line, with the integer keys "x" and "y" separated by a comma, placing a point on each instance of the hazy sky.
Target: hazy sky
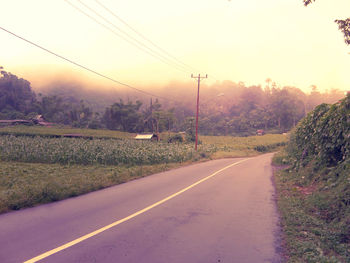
{"x": 238, "y": 40}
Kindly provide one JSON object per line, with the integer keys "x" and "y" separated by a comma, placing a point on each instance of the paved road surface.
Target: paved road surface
{"x": 228, "y": 217}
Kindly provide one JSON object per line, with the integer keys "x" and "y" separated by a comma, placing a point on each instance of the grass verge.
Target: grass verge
{"x": 312, "y": 231}
{"x": 28, "y": 184}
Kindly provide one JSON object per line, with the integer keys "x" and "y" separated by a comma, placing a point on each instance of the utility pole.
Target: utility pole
{"x": 199, "y": 81}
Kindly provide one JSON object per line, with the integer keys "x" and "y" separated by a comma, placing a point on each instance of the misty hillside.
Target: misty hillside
{"x": 226, "y": 108}
{"x": 220, "y": 96}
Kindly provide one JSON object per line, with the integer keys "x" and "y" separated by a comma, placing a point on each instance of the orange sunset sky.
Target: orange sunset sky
{"x": 237, "y": 40}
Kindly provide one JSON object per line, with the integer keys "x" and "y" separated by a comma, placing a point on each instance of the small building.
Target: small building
{"x": 147, "y": 137}
{"x": 260, "y": 132}
{"x": 39, "y": 120}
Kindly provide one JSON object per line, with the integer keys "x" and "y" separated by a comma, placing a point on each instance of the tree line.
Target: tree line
{"x": 240, "y": 111}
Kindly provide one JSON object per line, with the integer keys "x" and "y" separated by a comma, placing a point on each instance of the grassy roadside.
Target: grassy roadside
{"x": 229, "y": 146}
{"x": 310, "y": 235}
{"x": 28, "y": 184}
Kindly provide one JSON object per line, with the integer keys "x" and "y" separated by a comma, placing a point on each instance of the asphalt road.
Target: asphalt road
{"x": 229, "y": 216}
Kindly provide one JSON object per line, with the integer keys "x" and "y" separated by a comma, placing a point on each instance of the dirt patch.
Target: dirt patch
{"x": 306, "y": 190}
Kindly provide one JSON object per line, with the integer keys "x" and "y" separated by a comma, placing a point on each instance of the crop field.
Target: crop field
{"x": 22, "y": 130}
{"x": 38, "y": 165}
{"x": 96, "y": 151}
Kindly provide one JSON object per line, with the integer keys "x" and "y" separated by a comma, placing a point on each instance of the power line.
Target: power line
{"x": 176, "y": 63}
{"x": 142, "y": 36}
{"x": 86, "y": 68}
{"x": 133, "y": 41}
{"x": 128, "y": 35}
{"x": 147, "y": 39}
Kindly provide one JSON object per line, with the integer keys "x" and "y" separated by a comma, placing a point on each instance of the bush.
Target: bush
{"x": 324, "y": 135}
{"x": 176, "y": 138}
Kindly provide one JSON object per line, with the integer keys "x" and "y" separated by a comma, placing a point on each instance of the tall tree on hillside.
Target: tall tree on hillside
{"x": 80, "y": 115}
{"x": 149, "y": 121}
{"x": 54, "y": 109}
{"x": 124, "y": 116}
{"x": 16, "y": 94}
{"x": 287, "y": 108}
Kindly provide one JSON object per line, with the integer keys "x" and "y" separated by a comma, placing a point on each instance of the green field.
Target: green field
{"x": 61, "y": 130}
{"x": 96, "y": 151}
{"x": 228, "y": 146}
{"x": 38, "y": 166}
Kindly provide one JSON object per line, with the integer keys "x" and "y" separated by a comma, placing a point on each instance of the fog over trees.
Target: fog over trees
{"x": 226, "y": 108}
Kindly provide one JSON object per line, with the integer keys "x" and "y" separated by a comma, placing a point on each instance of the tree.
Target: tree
{"x": 124, "y": 116}
{"x": 16, "y": 95}
{"x": 80, "y": 115}
{"x": 287, "y": 108}
{"x": 150, "y": 123}
{"x": 53, "y": 109}
{"x": 344, "y": 25}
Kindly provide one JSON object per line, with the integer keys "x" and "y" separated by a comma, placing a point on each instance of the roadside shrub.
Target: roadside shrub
{"x": 316, "y": 187}
{"x": 323, "y": 135}
{"x": 268, "y": 147}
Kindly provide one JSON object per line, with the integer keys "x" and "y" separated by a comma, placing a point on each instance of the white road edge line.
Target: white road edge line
{"x": 98, "y": 231}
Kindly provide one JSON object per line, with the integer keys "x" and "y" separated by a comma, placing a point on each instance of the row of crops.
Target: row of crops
{"x": 96, "y": 151}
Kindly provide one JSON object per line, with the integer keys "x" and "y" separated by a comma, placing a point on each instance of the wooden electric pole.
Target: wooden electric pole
{"x": 199, "y": 81}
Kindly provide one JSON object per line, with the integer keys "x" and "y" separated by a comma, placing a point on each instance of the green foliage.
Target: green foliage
{"x": 176, "y": 138}
{"x": 344, "y": 25}
{"x": 315, "y": 190}
{"x": 269, "y": 147}
{"x": 16, "y": 96}
{"x": 324, "y": 136}
{"x": 123, "y": 116}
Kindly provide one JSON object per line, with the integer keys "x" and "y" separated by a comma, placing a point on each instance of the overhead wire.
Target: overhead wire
{"x": 169, "y": 59}
{"x": 86, "y": 68}
{"x": 147, "y": 39}
{"x": 131, "y": 40}
{"x": 142, "y": 36}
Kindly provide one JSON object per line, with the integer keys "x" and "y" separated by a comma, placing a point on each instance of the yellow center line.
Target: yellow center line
{"x": 98, "y": 231}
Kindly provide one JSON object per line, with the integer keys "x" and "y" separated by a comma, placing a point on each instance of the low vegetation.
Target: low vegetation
{"x": 314, "y": 191}
{"x": 96, "y": 151}
{"x": 59, "y": 131}
{"x": 229, "y": 146}
{"x": 27, "y": 184}
{"x": 40, "y": 166}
